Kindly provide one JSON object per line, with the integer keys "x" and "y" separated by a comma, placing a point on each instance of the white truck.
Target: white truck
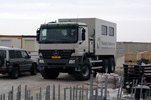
{"x": 76, "y": 46}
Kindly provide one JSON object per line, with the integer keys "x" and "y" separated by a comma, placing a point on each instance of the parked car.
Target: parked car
{"x": 14, "y": 61}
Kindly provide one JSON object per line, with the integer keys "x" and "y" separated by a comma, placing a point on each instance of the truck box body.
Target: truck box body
{"x": 104, "y": 44}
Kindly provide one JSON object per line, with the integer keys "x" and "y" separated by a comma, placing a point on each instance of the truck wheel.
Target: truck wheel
{"x": 33, "y": 69}
{"x": 85, "y": 72}
{"x": 15, "y": 73}
{"x": 105, "y": 66}
{"x": 111, "y": 65}
{"x": 50, "y": 74}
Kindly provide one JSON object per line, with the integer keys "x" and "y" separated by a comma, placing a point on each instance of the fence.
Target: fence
{"x": 75, "y": 93}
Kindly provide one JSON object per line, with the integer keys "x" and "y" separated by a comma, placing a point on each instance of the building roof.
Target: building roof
{"x": 10, "y": 36}
{"x": 29, "y": 36}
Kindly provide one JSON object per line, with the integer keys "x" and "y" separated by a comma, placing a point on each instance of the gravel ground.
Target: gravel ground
{"x": 35, "y": 82}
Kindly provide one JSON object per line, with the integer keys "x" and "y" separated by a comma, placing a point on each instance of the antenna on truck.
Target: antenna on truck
{"x": 77, "y": 18}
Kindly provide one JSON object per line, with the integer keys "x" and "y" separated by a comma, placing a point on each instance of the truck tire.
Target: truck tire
{"x": 50, "y": 74}
{"x": 105, "y": 65}
{"x": 111, "y": 65}
{"x": 33, "y": 69}
{"x": 15, "y": 73}
{"x": 85, "y": 72}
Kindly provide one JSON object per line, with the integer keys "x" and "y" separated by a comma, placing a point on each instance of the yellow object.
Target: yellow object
{"x": 56, "y": 57}
{"x": 98, "y": 43}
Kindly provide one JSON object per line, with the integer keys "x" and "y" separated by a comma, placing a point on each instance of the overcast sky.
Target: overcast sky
{"x": 23, "y": 17}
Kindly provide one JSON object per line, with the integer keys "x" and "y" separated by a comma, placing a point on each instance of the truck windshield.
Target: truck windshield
{"x": 3, "y": 53}
{"x": 58, "y": 35}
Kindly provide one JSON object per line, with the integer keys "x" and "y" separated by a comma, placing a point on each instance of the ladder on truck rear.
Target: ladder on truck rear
{"x": 92, "y": 62}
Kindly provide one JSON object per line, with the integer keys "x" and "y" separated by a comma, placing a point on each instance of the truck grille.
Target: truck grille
{"x": 65, "y": 54}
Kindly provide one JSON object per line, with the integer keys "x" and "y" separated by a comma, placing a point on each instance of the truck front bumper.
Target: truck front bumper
{"x": 58, "y": 63}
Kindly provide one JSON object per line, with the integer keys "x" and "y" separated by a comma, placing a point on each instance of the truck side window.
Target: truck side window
{"x": 80, "y": 34}
{"x": 104, "y": 30}
{"x": 12, "y": 54}
{"x": 111, "y": 31}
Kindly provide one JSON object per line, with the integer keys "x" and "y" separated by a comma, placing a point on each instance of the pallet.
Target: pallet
{"x": 129, "y": 62}
{"x": 133, "y": 72}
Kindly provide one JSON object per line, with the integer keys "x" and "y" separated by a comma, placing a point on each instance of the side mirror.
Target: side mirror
{"x": 38, "y": 34}
{"x": 83, "y": 34}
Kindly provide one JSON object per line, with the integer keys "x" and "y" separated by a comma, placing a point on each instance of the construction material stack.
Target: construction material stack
{"x": 137, "y": 65}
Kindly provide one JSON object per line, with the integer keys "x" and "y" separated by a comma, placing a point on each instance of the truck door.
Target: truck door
{"x": 82, "y": 43}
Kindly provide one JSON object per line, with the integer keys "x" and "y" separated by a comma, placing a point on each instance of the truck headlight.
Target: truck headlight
{"x": 41, "y": 61}
{"x": 71, "y": 61}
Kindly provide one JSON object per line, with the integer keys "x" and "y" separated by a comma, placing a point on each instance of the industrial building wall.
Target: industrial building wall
{"x": 120, "y": 49}
{"x": 127, "y": 47}
{"x": 28, "y": 43}
{"x": 11, "y": 42}
{"x": 135, "y": 46}
{"x": 31, "y": 46}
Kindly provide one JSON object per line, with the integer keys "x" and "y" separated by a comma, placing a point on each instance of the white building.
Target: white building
{"x": 27, "y": 42}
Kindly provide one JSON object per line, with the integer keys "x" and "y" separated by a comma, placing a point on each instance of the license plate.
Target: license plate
{"x": 56, "y": 57}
